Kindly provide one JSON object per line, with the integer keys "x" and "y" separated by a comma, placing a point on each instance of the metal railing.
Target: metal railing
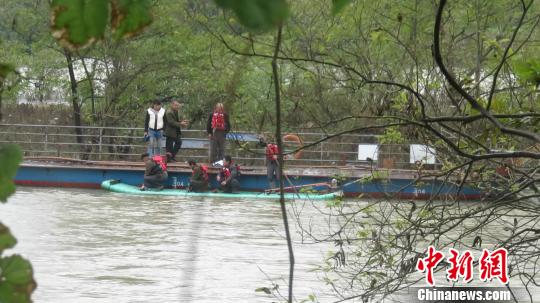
{"x": 121, "y": 143}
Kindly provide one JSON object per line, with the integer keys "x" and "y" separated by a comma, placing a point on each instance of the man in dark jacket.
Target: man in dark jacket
{"x": 217, "y": 127}
{"x": 173, "y": 129}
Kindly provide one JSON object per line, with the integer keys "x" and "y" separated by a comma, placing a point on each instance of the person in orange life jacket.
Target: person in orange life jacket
{"x": 271, "y": 154}
{"x": 155, "y": 173}
{"x": 153, "y": 128}
{"x": 217, "y": 127}
{"x": 173, "y": 131}
{"x": 199, "y": 177}
{"x": 228, "y": 177}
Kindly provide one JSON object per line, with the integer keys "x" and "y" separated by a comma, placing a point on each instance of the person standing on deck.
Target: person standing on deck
{"x": 217, "y": 127}
{"x": 272, "y": 152}
{"x": 153, "y": 128}
{"x": 173, "y": 131}
{"x": 199, "y": 177}
{"x": 155, "y": 173}
{"x": 228, "y": 177}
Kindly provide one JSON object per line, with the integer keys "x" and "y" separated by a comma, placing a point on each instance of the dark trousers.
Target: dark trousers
{"x": 272, "y": 173}
{"x": 154, "y": 181}
{"x": 172, "y": 145}
{"x": 198, "y": 186}
{"x": 232, "y": 186}
{"x": 217, "y": 146}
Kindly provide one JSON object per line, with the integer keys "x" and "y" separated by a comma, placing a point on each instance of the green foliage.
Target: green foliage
{"x": 380, "y": 175}
{"x": 130, "y": 16}
{"x": 334, "y": 202}
{"x": 392, "y": 135}
{"x": 528, "y": 71}
{"x": 16, "y": 274}
{"x": 258, "y": 15}
{"x": 310, "y": 298}
{"x": 6, "y": 238}
{"x": 339, "y": 5}
{"x": 5, "y": 70}
{"x": 16, "y": 280}
{"x": 266, "y": 290}
{"x": 79, "y": 23}
{"x": 10, "y": 157}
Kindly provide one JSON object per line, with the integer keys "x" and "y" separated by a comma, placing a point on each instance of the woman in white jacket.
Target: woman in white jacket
{"x": 153, "y": 128}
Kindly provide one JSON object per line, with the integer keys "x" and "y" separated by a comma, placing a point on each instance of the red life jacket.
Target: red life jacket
{"x": 271, "y": 151}
{"x": 226, "y": 172}
{"x": 218, "y": 121}
{"x": 205, "y": 172}
{"x": 204, "y": 169}
{"x": 160, "y": 160}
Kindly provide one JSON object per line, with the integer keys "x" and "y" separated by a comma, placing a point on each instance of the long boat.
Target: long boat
{"x": 119, "y": 187}
{"x": 354, "y": 181}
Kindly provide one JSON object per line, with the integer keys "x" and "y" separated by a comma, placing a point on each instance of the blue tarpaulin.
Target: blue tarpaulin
{"x": 204, "y": 143}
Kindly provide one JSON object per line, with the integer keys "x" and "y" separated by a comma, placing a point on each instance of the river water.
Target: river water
{"x": 96, "y": 246}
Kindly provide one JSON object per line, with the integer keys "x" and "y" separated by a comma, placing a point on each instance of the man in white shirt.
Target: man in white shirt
{"x": 153, "y": 128}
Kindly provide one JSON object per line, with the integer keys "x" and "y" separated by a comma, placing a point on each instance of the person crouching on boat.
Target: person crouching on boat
{"x": 199, "y": 177}
{"x": 228, "y": 177}
{"x": 155, "y": 174}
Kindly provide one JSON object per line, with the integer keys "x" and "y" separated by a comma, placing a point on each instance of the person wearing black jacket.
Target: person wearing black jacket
{"x": 217, "y": 127}
{"x": 173, "y": 129}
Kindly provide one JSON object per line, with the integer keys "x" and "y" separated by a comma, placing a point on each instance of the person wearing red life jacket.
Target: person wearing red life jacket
{"x": 217, "y": 127}
{"x": 199, "y": 177}
{"x": 228, "y": 177}
{"x": 155, "y": 174}
{"x": 271, "y": 153}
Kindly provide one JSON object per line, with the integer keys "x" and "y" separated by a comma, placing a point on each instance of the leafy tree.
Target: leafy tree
{"x": 16, "y": 274}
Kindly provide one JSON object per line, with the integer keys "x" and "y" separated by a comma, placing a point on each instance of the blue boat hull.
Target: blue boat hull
{"x": 87, "y": 177}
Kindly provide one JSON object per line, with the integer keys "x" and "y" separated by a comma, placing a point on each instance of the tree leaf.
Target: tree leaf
{"x": 339, "y": 5}
{"x": 6, "y": 238}
{"x": 8, "y": 293}
{"x": 10, "y": 157}
{"x": 17, "y": 279}
{"x": 16, "y": 270}
{"x": 78, "y": 23}
{"x": 129, "y": 17}
{"x": 266, "y": 290}
{"x": 257, "y": 15}
{"x": 528, "y": 71}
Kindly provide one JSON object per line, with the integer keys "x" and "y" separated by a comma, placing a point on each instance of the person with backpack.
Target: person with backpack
{"x": 153, "y": 128}
{"x": 271, "y": 153}
{"x": 155, "y": 173}
{"x": 229, "y": 175}
{"x": 199, "y": 177}
{"x": 173, "y": 131}
{"x": 217, "y": 127}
